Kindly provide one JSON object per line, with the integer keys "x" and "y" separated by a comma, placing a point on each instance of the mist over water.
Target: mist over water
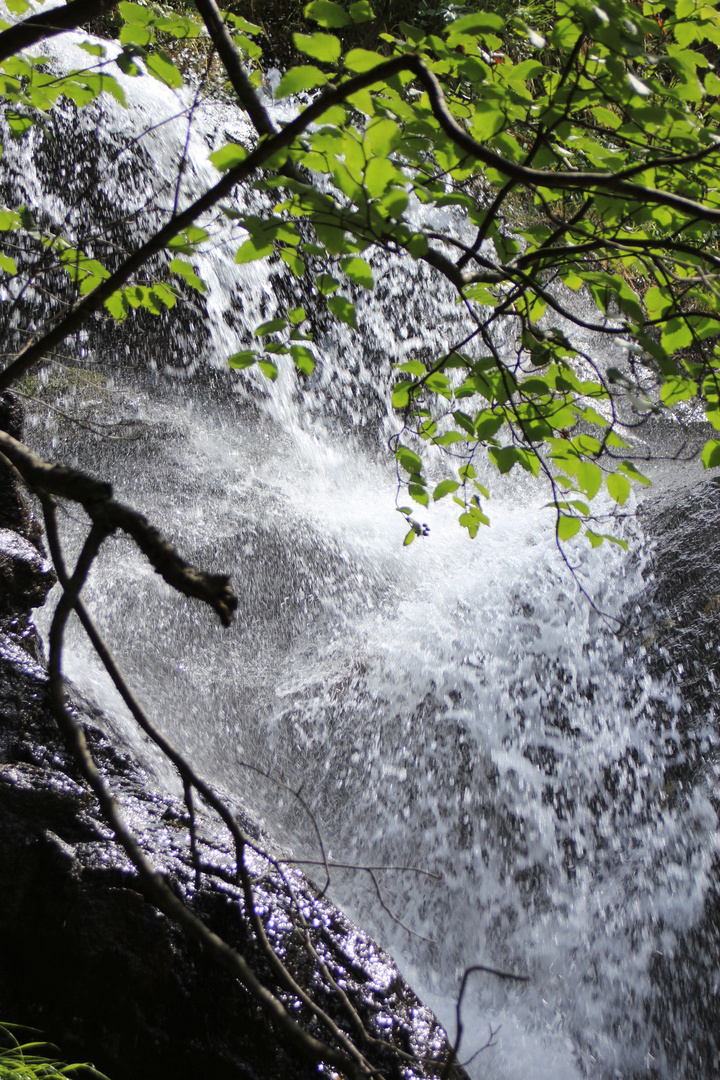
{"x": 457, "y": 706}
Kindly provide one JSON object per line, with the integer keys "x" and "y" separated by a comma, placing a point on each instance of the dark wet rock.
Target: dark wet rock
{"x": 25, "y": 576}
{"x": 680, "y": 633}
{"x": 14, "y": 511}
{"x": 85, "y": 956}
{"x": 685, "y": 592}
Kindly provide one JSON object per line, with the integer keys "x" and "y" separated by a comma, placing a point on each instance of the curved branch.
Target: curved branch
{"x": 50, "y": 23}
{"x": 96, "y": 499}
{"x": 190, "y": 779}
{"x": 570, "y": 180}
{"x": 221, "y": 39}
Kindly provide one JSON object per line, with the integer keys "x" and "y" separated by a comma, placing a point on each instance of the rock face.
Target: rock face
{"x": 85, "y": 957}
{"x": 26, "y": 576}
{"x": 683, "y": 641}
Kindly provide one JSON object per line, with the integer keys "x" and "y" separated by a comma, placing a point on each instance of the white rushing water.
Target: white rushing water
{"x": 457, "y": 706}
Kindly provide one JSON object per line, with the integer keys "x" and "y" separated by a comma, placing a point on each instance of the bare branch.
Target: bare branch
{"x": 221, "y": 39}
{"x": 472, "y": 970}
{"x": 157, "y": 889}
{"x": 96, "y": 498}
{"x": 50, "y": 23}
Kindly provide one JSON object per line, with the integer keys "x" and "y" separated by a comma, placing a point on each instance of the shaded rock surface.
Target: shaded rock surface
{"x": 85, "y": 957}
{"x": 682, "y": 638}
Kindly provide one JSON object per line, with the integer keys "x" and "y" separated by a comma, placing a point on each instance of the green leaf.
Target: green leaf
{"x": 94, "y": 50}
{"x": 228, "y": 156}
{"x": 9, "y": 220}
{"x": 463, "y": 420}
{"x": 630, "y": 470}
{"x": 449, "y": 438}
{"x": 361, "y": 11}
{"x": 185, "y": 270}
{"x": 291, "y": 258}
{"x": 179, "y": 26}
{"x": 445, "y": 487}
{"x": 18, "y": 123}
{"x": 298, "y": 79}
{"x": 504, "y": 457}
{"x": 188, "y": 240}
{"x": 326, "y": 13}
{"x": 304, "y": 359}
{"x": 117, "y": 305}
{"x": 358, "y": 271}
{"x": 409, "y": 461}
{"x": 676, "y": 389}
{"x": 343, "y": 310}
{"x": 126, "y": 62}
{"x": 383, "y": 136}
{"x": 138, "y": 13}
{"x": 161, "y": 67}
{"x": 711, "y": 454}
{"x": 379, "y": 175}
{"x": 567, "y": 527}
{"x": 413, "y": 367}
{"x": 164, "y": 293}
{"x": 8, "y": 264}
{"x": 323, "y": 47}
{"x": 401, "y": 394}
{"x": 474, "y": 25}
{"x": 589, "y": 478}
{"x": 417, "y": 246}
{"x": 271, "y": 327}
{"x": 327, "y": 284}
{"x": 242, "y": 24}
{"x": 242, "y": 359}
{"x": 676, "y": 335}
{"x": 134, "y": 33}
{"x": 619, "y": 488}
{"x": 487, "y": 424}
{"x": 253, "y": 249}
{"x": 268, "y": 369}
{"x": 140, "y": 296}
{"x": 362, "y": 60}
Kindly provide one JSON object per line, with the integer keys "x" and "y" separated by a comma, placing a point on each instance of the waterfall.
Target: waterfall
{"x": 464, "y": 707}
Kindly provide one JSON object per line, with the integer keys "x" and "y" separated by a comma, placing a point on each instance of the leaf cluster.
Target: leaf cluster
{"x": 36, "y": 1060}
{"x": 522, "y": 164}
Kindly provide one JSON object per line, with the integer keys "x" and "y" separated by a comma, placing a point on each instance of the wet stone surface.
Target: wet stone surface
{"x": 108, "y": 976}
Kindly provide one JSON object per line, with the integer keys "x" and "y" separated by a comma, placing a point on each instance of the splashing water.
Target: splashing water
{"x": 459, "y": 706}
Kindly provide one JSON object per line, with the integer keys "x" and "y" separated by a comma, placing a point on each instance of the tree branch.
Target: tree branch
{"x": 50, "y": 23}
{"x": 221, "y": 39}
{"x": 570, "y": 180}
{"x": 105, "y": 513}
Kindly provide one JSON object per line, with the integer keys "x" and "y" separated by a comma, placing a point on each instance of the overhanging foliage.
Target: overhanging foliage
{"x": 585, "y": 157}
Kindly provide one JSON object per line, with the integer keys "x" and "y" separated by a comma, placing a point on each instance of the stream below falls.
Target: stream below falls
{"x": 463, "y": 707}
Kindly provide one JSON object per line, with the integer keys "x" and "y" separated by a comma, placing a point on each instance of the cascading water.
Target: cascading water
{"x": 459, "y": 706}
